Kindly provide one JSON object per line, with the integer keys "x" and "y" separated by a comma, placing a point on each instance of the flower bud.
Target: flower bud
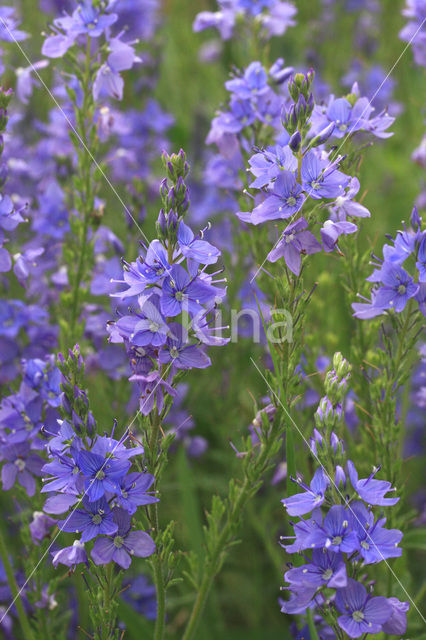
{"x": 340, "y": 477}
{"x": 164, "y": 189}
{"x": 161, "y": 224}
{"x": 341, "y": 365}
{"x": 172, "y": 221}
{"x": 323, "y": 135}
{"x": 176, "y": 165}
{"x": 295, "y": 141}
{"x": 90, "y": 423}
{"x": 289, "y": 119}
{"x": 5, "y": 97}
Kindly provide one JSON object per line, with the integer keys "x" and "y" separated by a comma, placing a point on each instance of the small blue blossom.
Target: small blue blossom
{"x": 285, "y": 199}
{"x": 313, "y": 497}
{"x": 361, "y": 613}
{"x": 370, "y": 490}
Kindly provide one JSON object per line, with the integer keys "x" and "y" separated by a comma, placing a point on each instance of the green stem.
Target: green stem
{"x": 389, "y": 395}
{"x": 312, "y": 629}
{"x": 23, "y": 618}
{"x": 86, "y": 176}
{"x": 214, "y": 561}
{"x": 153, "y": 512}
{"x": 161, "y": 599}
{"x": 212, "y": 567}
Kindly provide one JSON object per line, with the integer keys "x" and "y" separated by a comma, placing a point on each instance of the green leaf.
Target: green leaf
{"x": 415, "y": 539}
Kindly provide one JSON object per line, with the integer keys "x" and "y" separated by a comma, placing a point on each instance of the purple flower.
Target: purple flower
{"x": 335, "y": 533}
{"x": 5, "y": 260}
{"x": 349, "y": 118}
{"x": 141, "y": 594}
{"x": 397, "y": 288}
{"x": 421, "y": 260}
{"x": 331, "y": 231}
{"x": 345, "y": 206}
{"x": 45, "y": 378}
{"x": 133, "y": 489}
{"x": 397, "y": 623}
{"x": 8, "y": 24}
{"x": 321, "y": 179}
{"x": 108, "y": 81}
{"x": 65, "y": 473}
{"x": 376, "y": 542}
{"x": 223, "y": 21}
{"x": 300, "y": 599}
{"x": 268, "y": 164}
{"x": 313, "y": 497}
{"x": 362, "y": 614}
{"x": 101, "y": 473}
{"x": 294, "y": 241}
{"x": 368, "y": 309}
{"x": 139, "y": 274}
{"x": 123, "y": 545}
{"x": 304, "y": 531}
{"x": 85, "y": 19}
{"x": 284, "y": 200}
{"x": 20, "y": 464}
{"x": 40, "y": 526}
{"x": 279, "y": 18}
{"x": 253, "y": 83}
{"x": 24, "y": 263}
{"x": 194, "y": 248}
{"x": 326, "y": 569}
{"x": 10, "y": 217}
{"x": 370, "y": 490}
{"x": 70, "y": 556}
{"x": 180, "y": 353}
{"x": 152, "y": 388}
{"x": 94, "y": 519}
{"x": 25, "y": 81}
{"x": 149, "y": 330}
{"x": 182, "y": 292}
{"x": 240, "y": 115}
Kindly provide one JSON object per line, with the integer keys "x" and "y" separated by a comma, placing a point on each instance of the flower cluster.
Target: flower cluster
{"x": 414, "y": 31}
{"x": 393, "y": 284}
{"x": 10, "y": 215}
{"x": 329, "y": 414}
{"x": 349, "y": 115}
{"x": 94, "y": 476}
{"x": 343, "y": 534}
{"x": 22, "y": 415}
{"x": 271, "y": 17}
{"x": 94, "y": 22}
{"x": 299, "y": 172}
{"x": 175, "y": 298}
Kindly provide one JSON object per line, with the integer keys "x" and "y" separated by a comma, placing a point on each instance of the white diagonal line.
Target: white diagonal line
{"x": 78, "y": 503}
{"x": 352, "y": 129}
{"x": 331, "y": 480}
{"x": 73, "y": 129}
